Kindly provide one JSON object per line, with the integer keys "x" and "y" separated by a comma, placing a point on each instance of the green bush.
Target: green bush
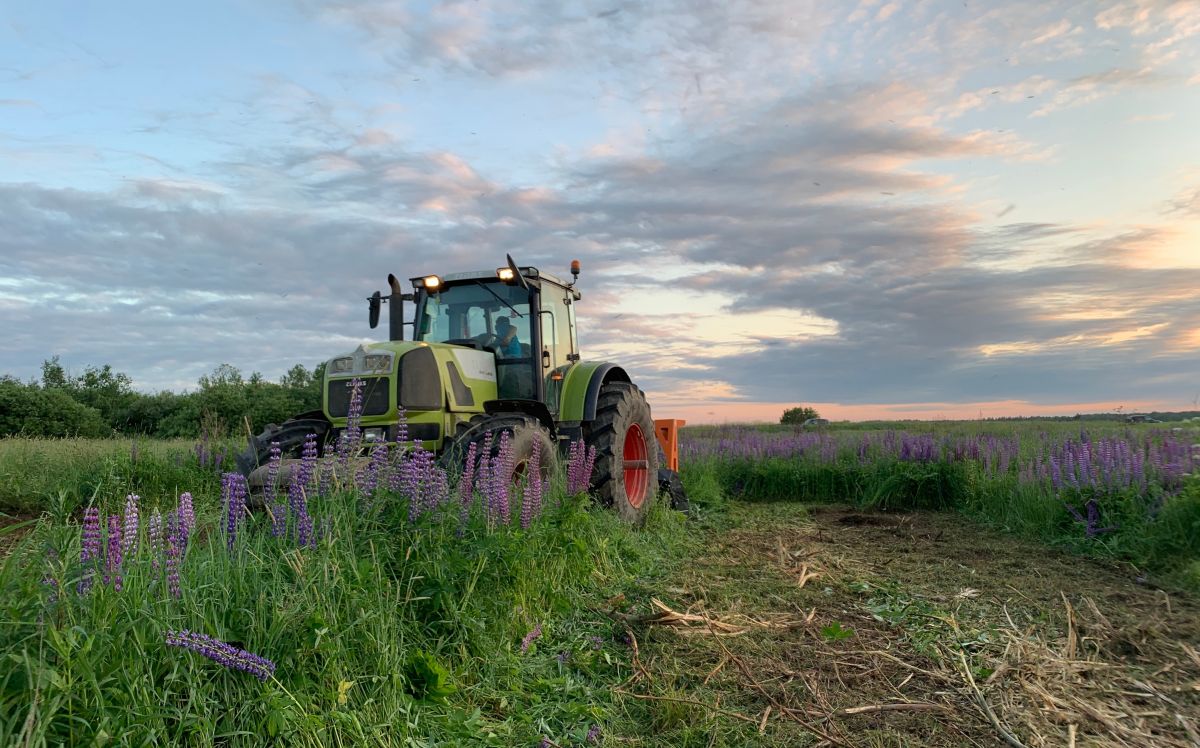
{"x": 29, "y": 410}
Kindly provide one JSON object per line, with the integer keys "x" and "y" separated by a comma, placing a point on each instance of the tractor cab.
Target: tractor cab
{"x": 523, "y": 317}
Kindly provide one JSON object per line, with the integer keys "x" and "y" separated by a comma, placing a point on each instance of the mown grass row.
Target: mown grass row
{"x": 1165, "y": 541}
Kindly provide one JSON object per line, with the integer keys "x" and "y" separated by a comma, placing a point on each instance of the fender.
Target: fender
{"x": 529, "y": 407}
{"x": 581, "y": 388}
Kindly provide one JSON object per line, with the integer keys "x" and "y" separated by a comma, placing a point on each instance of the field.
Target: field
{"x": 946, "y": 585}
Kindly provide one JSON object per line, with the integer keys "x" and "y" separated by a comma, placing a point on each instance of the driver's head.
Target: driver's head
{"x": 502, "y": 326}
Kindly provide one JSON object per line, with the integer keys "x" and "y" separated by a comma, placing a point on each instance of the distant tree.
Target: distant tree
{"x": 30, "y": 410}
{"x": 798, "y": 415}
{"x": 54, "y": 376}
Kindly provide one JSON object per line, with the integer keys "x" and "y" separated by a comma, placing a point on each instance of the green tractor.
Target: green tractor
{"x": 491, "y": 352}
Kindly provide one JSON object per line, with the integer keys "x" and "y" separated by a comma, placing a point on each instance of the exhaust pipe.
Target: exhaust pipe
{"x": 396, "y": 308}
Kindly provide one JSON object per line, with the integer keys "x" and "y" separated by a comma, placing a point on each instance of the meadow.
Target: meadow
{"x": 380, "y": 601}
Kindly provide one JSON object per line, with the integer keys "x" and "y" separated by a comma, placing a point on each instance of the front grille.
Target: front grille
{"x": 374, "y": 396}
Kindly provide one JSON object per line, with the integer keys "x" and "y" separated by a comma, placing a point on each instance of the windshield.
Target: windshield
{"x": 493, "y": 314}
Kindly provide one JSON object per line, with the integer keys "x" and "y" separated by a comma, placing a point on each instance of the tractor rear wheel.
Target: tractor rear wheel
{"x": 523, "y": 432}
{"x": 625, "y": 476}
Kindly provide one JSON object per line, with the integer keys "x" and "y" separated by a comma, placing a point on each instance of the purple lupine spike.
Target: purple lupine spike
{"x": 112, "y": 561}
{"x": 502, "y": 470}
{"x": 308, "y": 459}
{"x": 222, "y": 653}
{"x": 325, "y": 484}
{"x": 439, "y": 484}
{"x": 531, "y": 500}
{"x": 466, "y": 483}
{"x": 574, "y": 465}
{"x": 527, "y": 640}
{"x": 410, "y": 481}
{"x": 272, "y": 473}
{"x": 234, "y": 492}
{"x": 279, "y": 512}
{"x": 187, "y": 515}
{"x": 370, "y": 478}
{"x": 401, "y": 427}
{"x": 593, "y": 735}
{"x": 154, "y": 531}
{"x": 129, "y": 535}
{"x": 298, "y": 503}
{"x": 176, "y": 540}
{"x": 305, "y": 537}
{"x": 89, "y": 552}
{"x": 351, "y": 438}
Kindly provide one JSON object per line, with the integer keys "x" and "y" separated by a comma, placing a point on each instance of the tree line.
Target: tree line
{"x": 101, "y": 402}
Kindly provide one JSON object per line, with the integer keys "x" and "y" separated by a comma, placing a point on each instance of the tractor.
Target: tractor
{"x": 491, "y": 352}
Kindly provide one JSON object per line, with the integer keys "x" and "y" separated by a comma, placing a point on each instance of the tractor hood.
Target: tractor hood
{"x": 411, "y": 376}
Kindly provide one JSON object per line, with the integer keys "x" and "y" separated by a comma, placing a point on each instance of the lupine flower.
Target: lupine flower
{"x": 401, "y": 427}
{"x": 154, "y": 530}
{"x": 272, "y": 473}
{"x": 112, "y": 561}
{"x": 466, "y": 483}
{"x": 528, "y": 639}
{"x": 531, "y": 500}
{"x": 593, "y": 735}
{"x": 176, "y": 539}
{"x": 308, "y": 460}
{"x": 351, "y": 437}
{"x": 89, "y": 552}
{"x": 221, "y": 653}
{"x": 129, "y": 538}
{"x": 502, "y": 470}
{"x": 234, "y": 490}
{"x": 187, "y": 515}
{"x": 371, "y": 474}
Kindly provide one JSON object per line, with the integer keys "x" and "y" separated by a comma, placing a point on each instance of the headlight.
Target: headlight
{"x": 341, "y": 365}
{"x": 373, "y": 435}
{"x": 504, "y": 274}
{"x": 432, "y": 282}
{"x": 378, "y": 362}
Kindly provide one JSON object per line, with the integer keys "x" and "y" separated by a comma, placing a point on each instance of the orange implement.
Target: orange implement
{"x": 666, "y": 430}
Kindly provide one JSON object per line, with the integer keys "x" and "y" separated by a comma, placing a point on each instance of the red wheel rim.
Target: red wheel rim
{"x": 637, "y": 465}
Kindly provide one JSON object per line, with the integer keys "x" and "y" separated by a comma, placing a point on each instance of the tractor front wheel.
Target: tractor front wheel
{"x": 523, "y": 432}
{"x": 625, "y": 476}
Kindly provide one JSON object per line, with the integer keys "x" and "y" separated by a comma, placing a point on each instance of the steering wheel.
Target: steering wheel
{"x": 486, "y": 340}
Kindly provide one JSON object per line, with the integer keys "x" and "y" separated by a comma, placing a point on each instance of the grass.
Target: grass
{"x": 390, "y": 632}
{"x": 386, "y": 632}
{"x": 63, "y": 475}
{"x": 1156, "y": 528}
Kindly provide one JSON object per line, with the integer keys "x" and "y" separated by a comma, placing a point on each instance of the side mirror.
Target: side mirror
{"x": 512, "y": 265}
{"x": 373, "y": 316}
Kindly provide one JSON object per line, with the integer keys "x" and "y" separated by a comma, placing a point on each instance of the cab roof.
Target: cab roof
{"x": 484, "y": 275}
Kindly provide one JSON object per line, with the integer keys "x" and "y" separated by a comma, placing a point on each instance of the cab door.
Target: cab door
{"x": 557, "y": 317}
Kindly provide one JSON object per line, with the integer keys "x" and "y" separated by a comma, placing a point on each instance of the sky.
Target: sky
{"x": 883, "y": 209}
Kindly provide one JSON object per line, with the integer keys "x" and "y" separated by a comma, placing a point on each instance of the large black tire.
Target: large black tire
{"x": 625, "y": 476}
{"x": 523, "y": 430}
{"x": 290, "y": 435}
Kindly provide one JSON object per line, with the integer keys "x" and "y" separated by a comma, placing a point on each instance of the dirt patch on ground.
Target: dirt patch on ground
{"x": 13, "y": 528}
{"x": 841, "y": 627}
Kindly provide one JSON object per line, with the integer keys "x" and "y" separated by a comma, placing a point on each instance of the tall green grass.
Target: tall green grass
{"x": 386, "y": 633}
{"x": 62, "y": 475}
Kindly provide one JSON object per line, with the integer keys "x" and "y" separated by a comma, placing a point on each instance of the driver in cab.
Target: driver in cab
{"x": 507, "y": 344}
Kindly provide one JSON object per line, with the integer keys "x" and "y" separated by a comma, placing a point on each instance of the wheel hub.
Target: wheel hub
{"x": 636, "y": 465}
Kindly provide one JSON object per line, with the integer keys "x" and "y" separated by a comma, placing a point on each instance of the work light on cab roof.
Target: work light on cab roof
{"x": 490, "y": 353}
